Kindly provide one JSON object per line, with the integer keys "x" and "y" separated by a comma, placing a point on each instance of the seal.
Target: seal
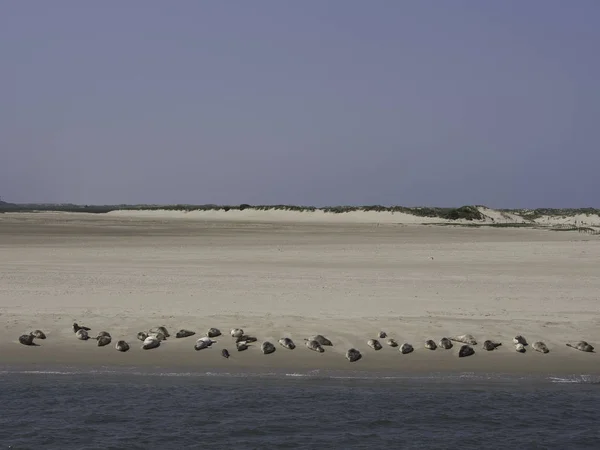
{"x": 314, "y": 345}
{"x": 39, "y": 334}
{"x": 82, "y": 335}
{"x": 142, "y": 336}
{"x": 446, "y": 343}
{"x": 430, "y": 345}
{"x": 103, "y": 340}
{"x": 162, "y": 330}
{"x": 465, "y": 339}
{"x": 519, "y": 340}
{"x": 353, "y": 355}
{"x": 76, "y": 328}
{"x": 157, "y": 335}
{"x": 392, "y": 343}
{"x": 490, "y": 345}
{"x": 150, "y": 342}
{"x": 203, "y": 342}
{"x": 406, "y": 349}
{"x": 26, "y": 339}
{"x": 520, "y": 348}
{"x": 103, "y": 334}
{"x": 241, "y": 346}
{"x": 237, "y": 332}
{"x": 382, "y": 335}
{"x": 213, "y": 332}
{"x": 582, "y": 346}
{"x": 322, "y": 340}
{"x": 244, "y": 338}
{"x": 374, "y": 344}
{"x": 267, "y": 348}
{"x": 540, "y": 347}
{"x": 225, "y": 353}
{"x": 465, "y": 350}
{"x": 122, "y": 346}
{"x": 184, "y": 333}
{"x": 287, "y": 343}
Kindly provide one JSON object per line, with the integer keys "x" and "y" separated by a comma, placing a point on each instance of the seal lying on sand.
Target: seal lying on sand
{"x": 213, "y": 332}
{"x": 38, "y": 334}
{"x": 158, "y": 335}
{"x": 322, "y": 340}
{"x": 244, "y": 338}
{"x": 184, "y": 333}
{"x": 465, "y": 350}
{"x": 76, "y": 328}
{"x": 430, "y": 344}
{"x": 104, "y": 340}
{"x": 267, "y": 348}
{"x": 520, "y": 348}
{"x": 374, "y": 344}
{"x": 27, "y": 339}
{"x": 142, "y": 336}
{"x": 540, "y": 347}
{"x": 287, "y": 343}
{"x": 150, "y": 342}
{"x": 353, "y": 355}
{"x": 241, "y": 346}
{"x": 314, "y": 345}
{"x": 382, "y": 335}
{"x": 103, "y": 334}
{"x": 237, "y": 332}
{"x": 162, "y": 330}
{"x": 446, "y": 343}
{"x": 582, "y": 346}
{"x": 225, "y": 353}
{"x": 392, "y": 343}
{"x": 465, "y": 339}
{"x": 203, "y": 342}
{"x": 122, "y": 346}
{"x": 82, "y": 335}
{"x": 519, "y": 340}
{"x": 406, "y": 348}
{"x": 489, "y": 345}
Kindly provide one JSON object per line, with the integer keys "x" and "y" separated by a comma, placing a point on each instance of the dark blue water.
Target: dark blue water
{"x": 97, "y": 410}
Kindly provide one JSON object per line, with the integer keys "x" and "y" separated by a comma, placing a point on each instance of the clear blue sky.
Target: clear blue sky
{"x": 319, "y": 102}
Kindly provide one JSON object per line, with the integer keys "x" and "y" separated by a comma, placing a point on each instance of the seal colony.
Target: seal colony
{"x": 154, "y": 337}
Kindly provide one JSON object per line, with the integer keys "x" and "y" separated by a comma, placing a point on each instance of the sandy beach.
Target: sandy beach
{"x": 125, "y": 273}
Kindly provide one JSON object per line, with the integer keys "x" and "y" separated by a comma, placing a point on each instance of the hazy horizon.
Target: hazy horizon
{"x": 316, "y": 103}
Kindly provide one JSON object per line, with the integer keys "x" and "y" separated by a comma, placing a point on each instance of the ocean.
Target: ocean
{"x": 103, "y": 409}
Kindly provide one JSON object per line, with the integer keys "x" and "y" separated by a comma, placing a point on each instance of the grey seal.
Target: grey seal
{"x": 382, "y": 335}
{"x": 465, "y": 339}
{"x": 103, "y": 340}
{"x": 241, "y": 346}
{"x": 184, "y": 333}
{"x": 430, "y": 344}
{"x": 27, "y": 339}
{"x": 157, "y": 335}
{"x": 314, "y": 345}
{"x": 162, "y": 330}
{"x": 406, "y": 348}
{"x": 520, "y": 348}
{"x": 142, "y": 336}
{"x": 225, "y": 353}
{"x": 237, "y": 332}
{"x": 519, "y": 340}
{"x": 244, "y": 338}
{"x": 150, "y": 342}
{"x": 465, "y": 350}
{"x": 287, "y": 343}
{"x": 540, "y": 347}
{"x": 267, "y": 348}
{"x": 322, "y": 340}
{"x": 103, "y": 334}
{"x": 122, "y": 346}
{"x": 374, "y": 344}
{"x": 353, "y": 355}
{"x": 203, "y": 342}
{"x": 82, "y": 335}
{"x": 213, "y": 332}
{"x": 38, "y": 334}
{"x": 392, "y": 343}
{"x": 582, "y": 346}
{"x": 490, "y": 345}
{"x": 76, "y": 328}
{"x": 446, "y": 343}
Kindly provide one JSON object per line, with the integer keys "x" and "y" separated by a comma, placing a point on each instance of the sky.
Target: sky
{"x": 318, "y": 102}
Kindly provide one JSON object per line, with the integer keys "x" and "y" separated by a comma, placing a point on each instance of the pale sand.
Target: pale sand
{"x": 344, "y": 280}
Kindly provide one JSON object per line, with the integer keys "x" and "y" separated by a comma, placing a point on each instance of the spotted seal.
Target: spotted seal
{"x": 162, "y": 330}
{"x": 392, "y": 343}
{"x": 519, "y": 340}
{"x": 287, "y": 343}
{"x": 225, "y": 353}
{"x": 103, "y": 334}
{"x": 241, "y": 346}
{"x": 520, "y": 348}
{"x": 465, "y": 350}
{"x": 245, "y": 338}
{"x": 213, "y": 332}
{"x": 82, "y": 335}
{"x": 157, "y": 335}
{"x": 150, "y": 342}
{"x": 322, "y": 340}
{"x": 76, "y": 328}
{"x": 267, "y": 348}
{"x": 540, "y": 347}
{"x": 27, "y": 339}
{"x": 582, "y": 346}
{"x": 122, "y": 346}
{"x": 445, "y": 343}
{"x": 203, "y": 342}
{"x": 490, "y": 345}
{"x": 184, "y": 333}
{"x": 382, "y": 335}
{"x": 406, "y": 348}
{"x": 353, "y": 355}
{"x": 38, "y": 334}
{"x": 237, "y": 332}
{"x": 142, "y": 336}
{"x": 431, "y": 345}
{"x": 103, "y": 340}
{"x": 465, "y": 339}
{"x": 314, "y": 345}
{"x": 374, "y": 344}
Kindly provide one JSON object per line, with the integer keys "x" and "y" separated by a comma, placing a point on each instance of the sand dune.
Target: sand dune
{"x": 126, "y": 273}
